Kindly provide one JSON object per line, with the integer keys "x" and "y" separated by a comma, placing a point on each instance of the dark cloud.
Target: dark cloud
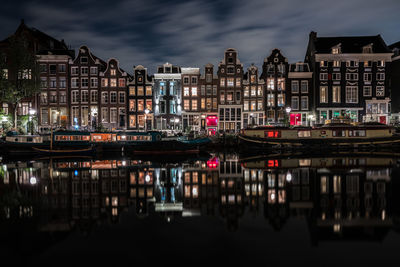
{"x": 195, "y": 32}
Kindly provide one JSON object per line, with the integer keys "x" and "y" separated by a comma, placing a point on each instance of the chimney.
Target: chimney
{"x": 313, "y": 35}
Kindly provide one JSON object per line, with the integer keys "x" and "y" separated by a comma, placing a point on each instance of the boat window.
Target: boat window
{"x": 339, "y": 133}
{"x": 357, "y": 133}
{"x": 272, "y": 134}
{"x": 304, "y": 133}
{"x": 75, "y": 138}
{"x": 86, "y": 138}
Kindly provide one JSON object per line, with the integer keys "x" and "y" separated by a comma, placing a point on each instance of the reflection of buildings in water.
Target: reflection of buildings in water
{"x": 231, "y": 191}
{"x": 340, "y": 197}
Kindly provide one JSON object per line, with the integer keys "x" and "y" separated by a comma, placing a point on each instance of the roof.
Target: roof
{"x": 395, "y": 45}
{"x": 350, "y": 45}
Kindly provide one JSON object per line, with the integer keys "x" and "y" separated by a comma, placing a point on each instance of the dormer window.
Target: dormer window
{"x": 336, "y": 49}
{"x": 113, "y": 72}
{"x": 230, "y": 60}
{"x": 167, "y": 69}
{"x": 367, "y": 49}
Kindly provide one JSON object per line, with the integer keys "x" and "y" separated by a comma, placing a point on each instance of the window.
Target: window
{"x": 61, "y": 68}
{"x": 140, "y": 105}
{"x": 93, "y": 96}
{"x": 253, "y": 105}
{"x": 75, "y": 96}
{"x": 230, "y": 82}
{"x": 149, "y": 90}
{"x": 222, "y": 82}
{"x": 351, "y": 63}
{"x": 113, "y": 72}
{"x": 351, "y": 94}
{"x": 304, "y": 103}
{"x": 93, "y": 70}
{"x": 149, "y": 104}
{"x": 84, "y": 70}
{"x": 132, "y": 121}
{"x": 113, "y": 115}
{"x": 84, "y": 60}
{"x": 132, "y": 91}
{"x": 84, "y": 96}
{"x": 63, "y": 97}
{"x": 186, "y": 104}
{"x": 295, "y": 87}
{"x": 351, "y": 76}
{"x": 185, "y": 91}
{"x": 229, "y": 96}
{"x": 222, "y": 97}
{"x": 113, "y": 82}
{"x": 281, "y": 100}
{"x": 336, "y": 63}
{"x": 194, "y": 80}
{"x": 63, "y": 83}
{"x": 238, "y": 96}
{"x": 367, "y": 49}
{"x": 295, "y": 102}
{"x": 74, "y": 82}
{"x": 380, "y": 76}
{"x": 336, "y": 50}
{"x": 214, "y": 103}
{"x": 132, "y": 105}
{"x": 104, "y": 82}
{"x": 53, "y": 83}
{"x": 336, "y": 94}
{"x": 53, "y": 97}
{"x": 194, "y": 104}
{"x": 44, "y": 116}
{"x": 246, "y": 91}
{"x": 140, "y": 90}
{"x": 323, "y": 76}
{"x": 304, "y": 87}
{"x": 281, "y": 84}
{"x": 238, "y": 80}
{"x": 104, "y": 97}
{"x": 43, "y": 82}
{"x": 208, "y": 78}
{"x": 367, "y": 77}
{"x": 246, "y": 105}
{"x": 270, "y": 100}
{"x": 323, "y": 94}
{"x": 323, "y": 64}
{"x": 380, "y": 91}
{"x": 253, "y": 91}
{"x": 85, "y": 82}
{"x": 186, "y": 80}
{"x": 53, "y": 69}
{"x": 380, "y": 63}
{"x": 230, "y": 70}
{"x": 270, "y": 84}
{"x": 260, "y": 90}
{"x": 214, "y": 90}
{"x": 336, "y": 76}
{"x": 121, "y": 82}
{"x": 194, "y": 91}
{"x": 104, "y": 114}
{"x": 367, "y": 64}
{"x": 43, "y": 98}
{"x": 121, "y": 97}
{"x": 113, "y": 97}
{"x": 367, "y": 91}
{"x": 203, "y": 103}
{"x": 74, "y": 70}
{"x": 93, "y": 82}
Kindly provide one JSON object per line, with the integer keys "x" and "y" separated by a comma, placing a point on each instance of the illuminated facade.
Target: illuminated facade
{"x": 253, "y": 98}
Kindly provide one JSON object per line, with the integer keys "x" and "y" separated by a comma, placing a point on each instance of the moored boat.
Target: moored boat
{"x": 331, "y": 135}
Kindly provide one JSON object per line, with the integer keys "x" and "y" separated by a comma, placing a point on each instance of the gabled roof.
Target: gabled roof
{"x": 350, "y": 45}
{"x": 395, "y": 45}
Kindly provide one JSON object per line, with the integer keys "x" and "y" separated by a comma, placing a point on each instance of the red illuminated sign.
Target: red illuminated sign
{"x": 212, "y": 121}
{"x": 272, "y": 163}
{"x": 272, "y": 134}
{"x": 212, "y": 163}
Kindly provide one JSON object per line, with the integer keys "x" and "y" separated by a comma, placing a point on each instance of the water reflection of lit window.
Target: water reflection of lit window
{"x": 195, "y": 177}
{"x": 223, "y": 199}
{"x": 271, "y": 180}
{"x": 231, "y": 199}
{"x": 246, "y": 175}
{"x": 195, "y": 191}
{"x": 271, "y": 196}
{"x": 149, "y": 192}
{"x": 187, "y": 191}
{"x": 281, "y": 196}
{"x": 133, "y": 192}
{"x": 114, "y": 211}
{"x": 281, "y": 179}
{"x": 304, "y": 162}
{"x": 324, "y": 184}
{"x": 336, "y": 228}
{"x": 187, "y": 177}
{"x": 336, "y": 184}
{"x": 133, "y": 178}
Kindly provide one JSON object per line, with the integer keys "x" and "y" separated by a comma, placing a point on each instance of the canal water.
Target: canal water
{"x": 330, "y": 210}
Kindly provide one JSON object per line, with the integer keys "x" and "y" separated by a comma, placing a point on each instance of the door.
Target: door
{"x": 382, "y": 119}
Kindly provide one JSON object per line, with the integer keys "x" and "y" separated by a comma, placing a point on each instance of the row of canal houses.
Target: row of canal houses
{"x": 339, "y": 76}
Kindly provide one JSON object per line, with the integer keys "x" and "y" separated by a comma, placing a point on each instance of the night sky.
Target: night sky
{"x": 193, "y": 33}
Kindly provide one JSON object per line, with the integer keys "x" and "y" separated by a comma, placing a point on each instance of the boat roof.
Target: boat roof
{"x": 71, "y": 133}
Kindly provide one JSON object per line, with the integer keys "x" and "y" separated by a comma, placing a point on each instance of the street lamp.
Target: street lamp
{"x": 146, "y": 111}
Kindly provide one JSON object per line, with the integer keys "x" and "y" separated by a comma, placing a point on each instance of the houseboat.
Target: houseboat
{"x": 331, "y": 135}
{"x": 151, "y": 142}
